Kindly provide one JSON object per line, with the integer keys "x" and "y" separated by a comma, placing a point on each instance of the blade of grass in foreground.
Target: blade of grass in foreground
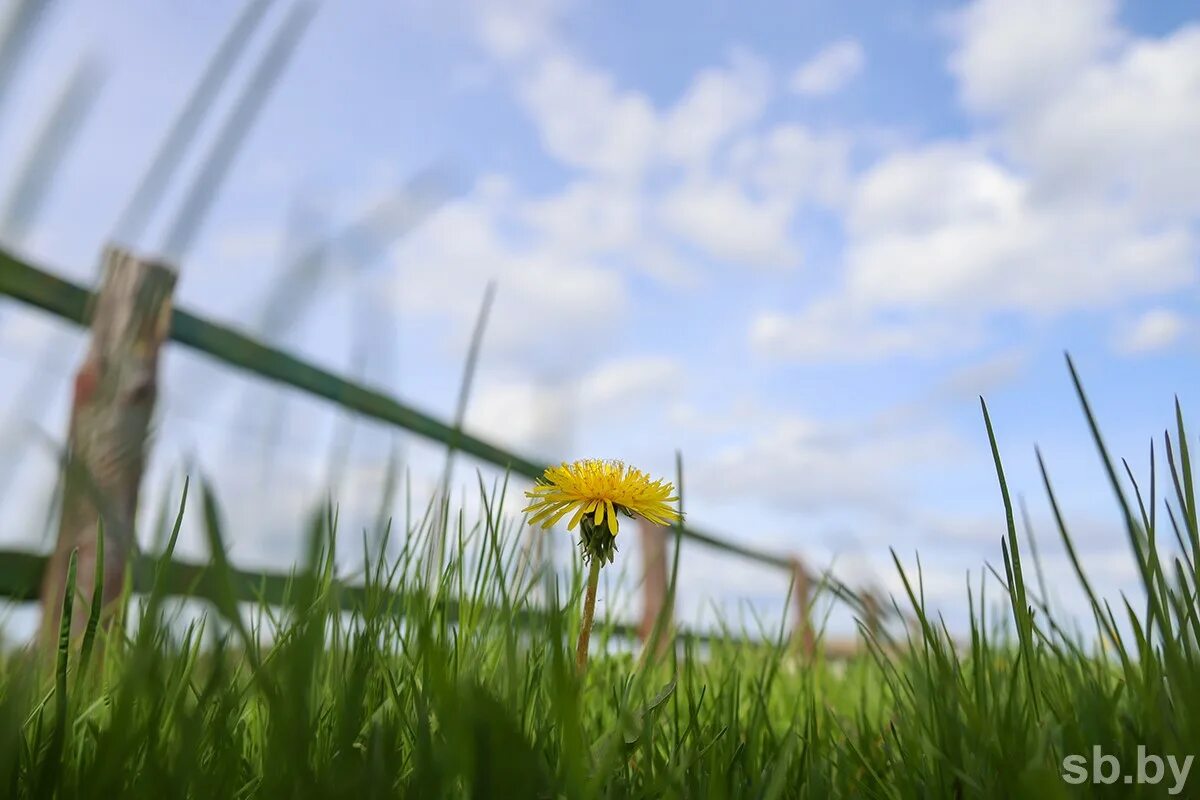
{"x": 150, "y": 190}
{"x": 18, "y": 33}
{"x": 52, "y": 759}
{"x": 1012, "y": 565}
{"x": 460, "y": 414}
{"x": 198, "y": 200}
{"x": 97, "y": 603}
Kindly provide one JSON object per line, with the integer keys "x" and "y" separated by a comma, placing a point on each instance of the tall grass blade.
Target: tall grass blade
{"x": 1012, "y": 562}
{"x": 215, "y": 166}
{"x": 48, "y": 146}
{"x": 18, "y": 33}
{"x": 437, "y": 550}
{"x": 148, "y": 196}
{"x": 97, "y": 604}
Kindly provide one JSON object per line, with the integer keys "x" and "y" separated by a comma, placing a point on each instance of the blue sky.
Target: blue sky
{"x": 794, "y": 241}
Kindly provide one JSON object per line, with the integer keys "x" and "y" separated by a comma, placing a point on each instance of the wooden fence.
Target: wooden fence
{"x": 22, "y": 573}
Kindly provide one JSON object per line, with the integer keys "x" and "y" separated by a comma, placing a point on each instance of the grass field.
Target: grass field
{"x": 403, "y": 697}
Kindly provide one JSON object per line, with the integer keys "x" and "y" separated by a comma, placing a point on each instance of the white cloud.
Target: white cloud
{"x": 730, "y": 225}
{"x": 944, "y": 237}
{"x": 658, "y": 185}
{"x": 663, "y": 261}
{"x": 1125, "y": 128}
{"x": 940, "y": 584}
{"x": 717, "y": 103}
{"x": 830, "y": 69}
{"x": 1069, "y": 207}
{"x": 1081, "y": 193}
{"x": 798, "y": 464}
{"x": 618, "y": 138}
{"x": 982, "y": 376}
{"x": 539, "y": 289}
{"x": 688, "y": 416}
{"x": 1156, "y": 329}
{"x": 514, "y": 29}
{"x": 919, "y": 189}
{"x": 1011, "y": 52}
{"x": 792, "y": 162}
{"x": 1092, "y": 110}
{"x": 585, "y": 121}
{"x": 768, "y": 467}
{"x": 538, "y": 416}
{"x": 631, "y": 381}
{"x": 596, "y": 217}
{"x": 944, "y": 227}
{"x": 589, "y": 215}
{"x": 527, "y": 416}
{"x": 831, "y": 329}
{"x": 961, "y": 386}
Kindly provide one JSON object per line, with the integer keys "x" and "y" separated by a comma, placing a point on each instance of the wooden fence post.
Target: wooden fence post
{"x": 654, "y": 583}
{"x": 802, "y": 632}
{"x": 114, "y": 395}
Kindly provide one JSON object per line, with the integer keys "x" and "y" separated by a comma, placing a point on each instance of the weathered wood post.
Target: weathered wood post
{"x": 802, "y": 631}
{"x": 654, "y": 583}
{"x": 115, "y": 391}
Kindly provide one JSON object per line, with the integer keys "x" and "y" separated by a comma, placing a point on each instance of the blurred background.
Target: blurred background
{"x": 793, "y": 241}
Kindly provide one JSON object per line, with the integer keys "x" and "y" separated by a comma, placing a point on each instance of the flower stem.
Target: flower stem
{"x": 589, "y": 613}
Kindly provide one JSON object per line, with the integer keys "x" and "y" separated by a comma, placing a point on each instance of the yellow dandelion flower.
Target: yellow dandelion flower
{"x": 599, "y": 489}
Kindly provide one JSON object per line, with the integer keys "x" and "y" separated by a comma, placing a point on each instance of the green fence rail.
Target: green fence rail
{"x": 21, "y": 580}
{"x": 37, "y": 287}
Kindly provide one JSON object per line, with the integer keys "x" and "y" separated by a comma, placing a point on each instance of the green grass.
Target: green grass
{"x": 467, "y": 686}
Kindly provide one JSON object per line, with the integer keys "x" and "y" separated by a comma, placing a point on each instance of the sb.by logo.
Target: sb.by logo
{"x": 1106, "y": 769}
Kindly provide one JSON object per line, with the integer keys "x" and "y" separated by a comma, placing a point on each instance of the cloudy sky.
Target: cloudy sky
{"x": 794, "y": 241}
